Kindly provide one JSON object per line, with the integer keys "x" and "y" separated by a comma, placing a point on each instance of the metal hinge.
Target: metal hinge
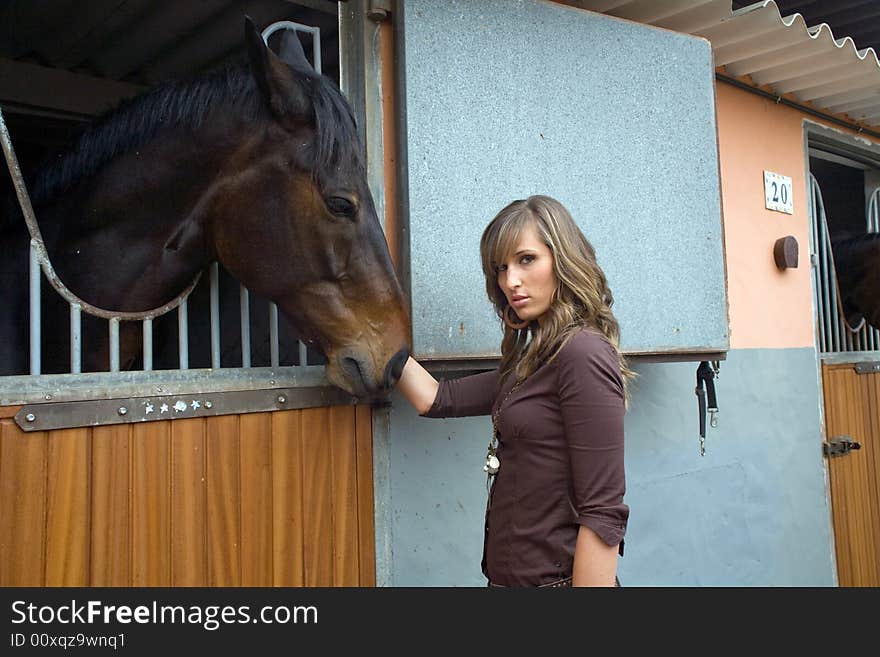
{"x": 839, "y": 445}
{"x": 868, "y": 367}
{"x": 378, "y": 10}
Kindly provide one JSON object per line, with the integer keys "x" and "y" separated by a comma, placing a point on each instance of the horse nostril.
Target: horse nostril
{"x": 394, "y": 368}
{"x": 353, "y": 369}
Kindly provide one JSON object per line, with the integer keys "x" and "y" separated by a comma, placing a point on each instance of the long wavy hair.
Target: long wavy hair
{"x": 582, "y": 298}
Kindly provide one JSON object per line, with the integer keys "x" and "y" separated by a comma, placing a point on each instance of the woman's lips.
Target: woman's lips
{"x": 518, "y": 302}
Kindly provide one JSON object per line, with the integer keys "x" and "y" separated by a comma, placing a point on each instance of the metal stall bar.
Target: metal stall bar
{"x": 148, "y": 344}
{"x": 299, "y": 27}
{"x": 114, "y": 344}
{"x": 215, "y": 315}
{"x": 183, "y": 336}
{"x": 35, "y": 308}
{"x": 829, "y": 344}
{"x": 245, "y": 308}
{"x": 273, "y": 335}
{"x": 75, "y": 339}
{"x": 817, "y": 270}
{"x": 873, "y": 225}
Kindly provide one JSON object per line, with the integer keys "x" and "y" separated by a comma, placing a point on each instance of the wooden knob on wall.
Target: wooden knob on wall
{"x": 785, "y": 252}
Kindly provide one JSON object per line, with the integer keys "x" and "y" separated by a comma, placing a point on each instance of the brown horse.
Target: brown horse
{"x": 258, "y": 167}
{"x": 857, "y": 265}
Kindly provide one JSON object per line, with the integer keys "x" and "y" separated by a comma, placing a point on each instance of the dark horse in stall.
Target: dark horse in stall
{"x": 259, "y": 167}
{"x": 857, "y": 265}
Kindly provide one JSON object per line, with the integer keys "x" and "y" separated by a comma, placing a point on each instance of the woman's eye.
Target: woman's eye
{"x": 526, "y": 259}
{"x": 500, "y": 268}
{"x": 341, "y": 206}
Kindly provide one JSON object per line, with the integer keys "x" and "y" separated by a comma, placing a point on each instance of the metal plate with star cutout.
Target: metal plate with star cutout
{"x": 62, "y": 415}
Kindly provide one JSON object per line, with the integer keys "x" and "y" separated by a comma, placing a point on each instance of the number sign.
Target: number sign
{"x": 777, "y": 193}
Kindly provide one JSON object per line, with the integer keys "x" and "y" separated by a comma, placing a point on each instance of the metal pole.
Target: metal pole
{"x": 245, "y": 309}
{"x": 75, "y": 339}
{"x": 215, "y": 315}
{"x": 273, "y": 335}
{"x": 816, "y": 269}
{"x": 114, "y": 344}
{"x": 35, "y": 308}
{"x": 316, "y": 48}
{"x": 183, "y": 336}
{"x": 148, "y": 345}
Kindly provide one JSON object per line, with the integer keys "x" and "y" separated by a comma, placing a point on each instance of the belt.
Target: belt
{"x": 558, "y": 584}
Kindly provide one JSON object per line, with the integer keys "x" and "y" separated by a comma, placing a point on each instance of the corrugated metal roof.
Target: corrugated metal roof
{"x": 817, "y": 64}
{"x": 857, "y": 19}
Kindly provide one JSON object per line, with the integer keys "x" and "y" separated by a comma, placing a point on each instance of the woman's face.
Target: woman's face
{"x": 527, "y": 277}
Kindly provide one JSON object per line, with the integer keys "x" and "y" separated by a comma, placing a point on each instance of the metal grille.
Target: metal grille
{"x": 39, "y": 264}
{"x": 835, "y": 335}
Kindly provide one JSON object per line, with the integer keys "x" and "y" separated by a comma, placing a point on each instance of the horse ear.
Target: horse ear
{"x": 291, "y": 52}
{"x": 278, "y": 83}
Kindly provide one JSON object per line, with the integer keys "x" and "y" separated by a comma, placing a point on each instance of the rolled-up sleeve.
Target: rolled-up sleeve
{"x": 466, "y": 396}
{"x": 592, "y": 402}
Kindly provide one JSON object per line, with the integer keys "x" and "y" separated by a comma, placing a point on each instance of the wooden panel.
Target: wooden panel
{"x": 343, "y": 470}
{"x": 224, "y": 501}
{"x": 8, "y": 411}
{"x": 110, "y": 508}
{"x": 282, "y": 498}
{"x": 287, "y": 498}
{"x": 188, "y": 504}
{"x": 256, "y": 499}
{"x": 870, "y": 390}
{"x": 366, "y": 517}
{"x": 317, "y": 511}
{"x": 151, "y": 504}
{"x": 22, "y": 505}
{"x": 872, "y": 385}
{"x": 68, "y": 497}
{"x": 851, "y": 408}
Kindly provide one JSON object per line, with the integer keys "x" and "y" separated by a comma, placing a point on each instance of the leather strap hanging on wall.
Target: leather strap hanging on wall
{"x": 706, "y": 399}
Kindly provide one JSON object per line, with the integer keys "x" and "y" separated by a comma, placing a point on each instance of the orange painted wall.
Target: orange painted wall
{"x": 768, "y": 308}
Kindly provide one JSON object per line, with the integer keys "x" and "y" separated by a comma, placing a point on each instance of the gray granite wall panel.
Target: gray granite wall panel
{"x": 504, "y": 99}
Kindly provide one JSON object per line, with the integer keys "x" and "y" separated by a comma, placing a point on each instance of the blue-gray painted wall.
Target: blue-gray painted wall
{"x": 504, "y": 99}
{"x": 752, "y": 512}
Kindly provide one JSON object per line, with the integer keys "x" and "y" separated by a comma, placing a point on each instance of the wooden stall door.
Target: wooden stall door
{"x": 267, "y": 499}
{"x": 852, "y": 408}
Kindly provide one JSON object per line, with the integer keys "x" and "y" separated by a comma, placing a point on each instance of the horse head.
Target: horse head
{"x": 259, "y": 167}
{"x": 295, "y": 222}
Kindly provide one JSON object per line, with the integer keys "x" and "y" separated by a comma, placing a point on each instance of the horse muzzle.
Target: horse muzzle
{"x": 359, "y": 375}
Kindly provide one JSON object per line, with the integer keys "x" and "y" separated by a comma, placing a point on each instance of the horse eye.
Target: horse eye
{"x": 341, "y": 206}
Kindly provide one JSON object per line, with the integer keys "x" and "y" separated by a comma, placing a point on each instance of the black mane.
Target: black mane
{"x": 186, "y": 104}
{"x": 183, "y": 103}
{"x": 336, "y": 137}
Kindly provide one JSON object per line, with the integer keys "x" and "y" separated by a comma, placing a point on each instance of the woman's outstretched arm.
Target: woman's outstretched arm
{"x": 418, "y": 386}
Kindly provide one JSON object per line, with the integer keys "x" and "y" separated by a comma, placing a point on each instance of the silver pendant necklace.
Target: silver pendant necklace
{"x": 493, "y": 463}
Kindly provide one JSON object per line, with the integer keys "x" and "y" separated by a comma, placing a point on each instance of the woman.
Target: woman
{"x": 555, "y": 514}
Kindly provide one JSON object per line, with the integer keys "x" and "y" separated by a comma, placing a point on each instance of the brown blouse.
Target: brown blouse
{"x": 561, "y": 453}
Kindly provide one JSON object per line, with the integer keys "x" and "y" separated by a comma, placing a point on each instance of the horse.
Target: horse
{"x": 857, "y": 265}
{"x": 257, "y": 165}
